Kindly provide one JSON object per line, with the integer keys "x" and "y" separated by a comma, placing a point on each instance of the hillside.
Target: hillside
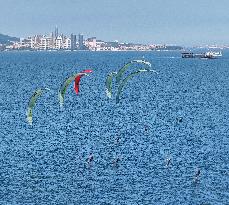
{"x": 5, "y": 39}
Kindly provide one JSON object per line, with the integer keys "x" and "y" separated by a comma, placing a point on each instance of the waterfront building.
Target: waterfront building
{"x": 59, "y": 43}
{"x": 91, "y": 43}
{"x": 100, "y": 45}
{"x": 32, "y": 42}
{"x": 24, "y": 43}
{"x": 43, "y": 44}
{"x": 46, "y": 43}
{"x": 73, "y": 42}
{"x": 80, "y": 40}
{"x": 56, "y": 34}
{"x": 67, "y": 43}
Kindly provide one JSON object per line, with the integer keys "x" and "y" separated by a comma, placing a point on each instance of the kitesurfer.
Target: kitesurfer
{"x": 115, "y": 162}
{"x": 196, "y": 177}
{"x": 118, "y": 140}
{"x": 90, "y": 158}
{"x": 146, "y": 128}
{"x": 168, "y": 160}
{"x": 179, "y": 119}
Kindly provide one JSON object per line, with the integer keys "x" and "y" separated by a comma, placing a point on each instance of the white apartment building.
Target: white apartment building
{"x": 46, "y": 43}
{"x": 43, "y": 44}
{"x": 91, "y": 43}
{"x": 100, "y": 45}
{"x": 59, "y": 43}
{"x": 35, "y": 41}
{"x": 67, "y": 43}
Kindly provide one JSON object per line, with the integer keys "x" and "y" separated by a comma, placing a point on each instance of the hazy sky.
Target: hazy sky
{"x": 182, "y": 22}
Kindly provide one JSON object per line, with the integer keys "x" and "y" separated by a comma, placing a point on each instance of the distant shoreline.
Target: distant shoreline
{"x": 61, "y": 51}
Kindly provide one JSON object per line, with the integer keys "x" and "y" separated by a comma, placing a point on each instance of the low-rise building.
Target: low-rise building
{"x": 91, "y": 43}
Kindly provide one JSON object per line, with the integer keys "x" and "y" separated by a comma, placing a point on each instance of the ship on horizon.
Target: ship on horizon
{"x": 205, "y": 55}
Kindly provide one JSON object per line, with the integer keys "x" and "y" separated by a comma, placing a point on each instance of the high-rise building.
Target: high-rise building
{"x": 56, "y": 32}
{"x": 81, "y": 45}
{"x": 73, "y": 42}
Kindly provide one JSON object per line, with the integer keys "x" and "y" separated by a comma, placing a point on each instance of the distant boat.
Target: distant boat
{"x": 206, "y": 55}
{"x": 212, "y": 54}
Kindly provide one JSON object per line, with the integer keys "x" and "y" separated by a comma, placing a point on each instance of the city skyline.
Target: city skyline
{"x": 170, "y": 22}
{"x": 58, "y": 41}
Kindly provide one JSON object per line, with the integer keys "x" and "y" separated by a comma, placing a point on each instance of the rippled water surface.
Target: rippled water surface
{"x": 182, "y": 114}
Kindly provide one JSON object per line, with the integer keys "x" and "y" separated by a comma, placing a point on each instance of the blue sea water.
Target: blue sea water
{"x": 181, "y": 113}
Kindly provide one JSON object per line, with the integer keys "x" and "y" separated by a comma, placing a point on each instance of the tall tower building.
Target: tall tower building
{"x": 56, "y": 32}
{"x": 73, "y": 42}
{"x": 81, "y": 46}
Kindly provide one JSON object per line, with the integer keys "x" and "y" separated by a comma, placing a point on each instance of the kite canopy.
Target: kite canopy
{"x": 67, "y": 82}
{"x": 123, "y": 83}
{"x": 77, "y": 80}
{"x": 87, "y": 71}
{"x": 126, "y": 66}
{"x": 109, "y": 83}
{"x": 119, "y": 77}
{"x": 32, "y": 103}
